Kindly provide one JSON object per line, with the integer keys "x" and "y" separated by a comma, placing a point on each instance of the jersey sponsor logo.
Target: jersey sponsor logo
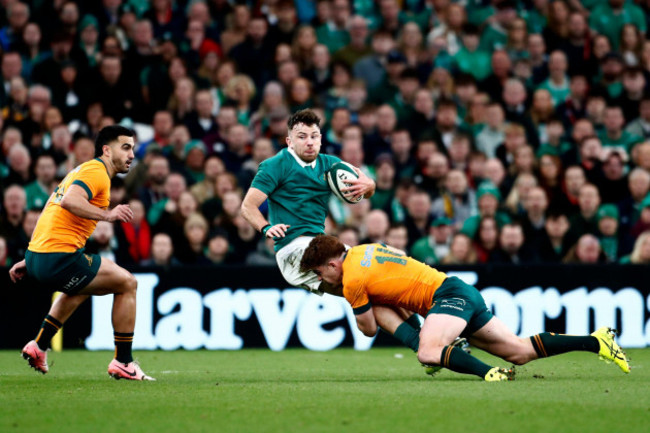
{"x": 454, "y": 303}
{"x": 74, "y": 282}
{"x": 367, "y": 256}
{"x": 89, "y": 259}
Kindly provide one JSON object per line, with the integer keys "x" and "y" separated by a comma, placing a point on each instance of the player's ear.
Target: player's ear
{"x": 288, "y": 140}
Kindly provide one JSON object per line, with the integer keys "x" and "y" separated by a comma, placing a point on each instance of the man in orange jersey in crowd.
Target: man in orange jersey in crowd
{"x": 373, "y": 274}
{"x": 55, "y": 256}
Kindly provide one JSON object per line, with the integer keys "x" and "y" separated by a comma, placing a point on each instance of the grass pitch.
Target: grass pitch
{"x": 382, "y": 390}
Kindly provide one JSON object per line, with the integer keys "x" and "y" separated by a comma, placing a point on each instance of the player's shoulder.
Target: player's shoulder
{"x": 352, "y": 278}
{"x": 328, "y": 160}
{"x": 93, "y": 171}
{"x": 360, "y": 255}
{"x": 358, "y": 249}
{"x": 277, "y": 161}
{"x": 94, "y": 165}
{"x": 282, "y": 157}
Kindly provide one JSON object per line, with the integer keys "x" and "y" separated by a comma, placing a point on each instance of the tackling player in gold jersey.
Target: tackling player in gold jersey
{"x": 373, "y": 274}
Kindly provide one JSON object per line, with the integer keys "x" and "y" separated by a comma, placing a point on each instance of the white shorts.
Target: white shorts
{"x": 288, "y": 258}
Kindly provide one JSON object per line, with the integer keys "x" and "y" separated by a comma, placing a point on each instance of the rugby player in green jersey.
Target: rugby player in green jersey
{"x": 294, "y": 183}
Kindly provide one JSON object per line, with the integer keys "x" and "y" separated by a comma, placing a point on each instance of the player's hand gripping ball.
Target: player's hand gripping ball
{"x": 337, "y": 176}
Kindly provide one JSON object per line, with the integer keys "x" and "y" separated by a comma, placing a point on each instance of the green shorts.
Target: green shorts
{"x": 64, "y": 272}
{"x": 457, "y": 298}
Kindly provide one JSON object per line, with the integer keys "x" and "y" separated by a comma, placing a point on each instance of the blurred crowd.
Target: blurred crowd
{"x": 498, "y": 131}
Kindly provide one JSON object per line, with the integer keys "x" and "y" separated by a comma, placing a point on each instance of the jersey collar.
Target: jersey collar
{"x": 300, "y": 161}
{"x": 103, "y": 163}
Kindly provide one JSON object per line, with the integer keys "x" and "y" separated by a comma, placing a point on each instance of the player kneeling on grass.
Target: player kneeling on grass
{"x": 373, "y": 274}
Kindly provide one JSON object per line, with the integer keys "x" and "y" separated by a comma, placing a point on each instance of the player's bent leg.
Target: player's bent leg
{"x": 65, "y": 305}
{"x": 433, "y": 370}
{"x": 110, "y": 279}
{"x": 288, "y": 259}
{"x": 387, "y": 318}
{"x": 438, "y": 331}
{"x": 437, "y": 334}
{"x": 391, "y": 321}
{"x": 496, "y": 338}
{"x": 114, "y": 279}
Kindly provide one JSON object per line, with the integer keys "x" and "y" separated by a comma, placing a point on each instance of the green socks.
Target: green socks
{"x": 414, "y": 321}
{"x": 49, "y": 328}
{"x": 549, "y": 344}
{"x": 408, "y": 335}
{"x": 455, "y": 359}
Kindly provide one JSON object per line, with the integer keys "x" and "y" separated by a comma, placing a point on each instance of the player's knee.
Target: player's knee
{"x": 521, "y": 355}
{"x": 369, "y": 331}
{"x": 130, "y": 283}
{"x": 429, "y": 355}
{"x": 516, "y": 359}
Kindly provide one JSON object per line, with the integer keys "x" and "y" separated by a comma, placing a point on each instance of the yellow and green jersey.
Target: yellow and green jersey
{"x": 376, "y": 275}
{"x": 59, "y": 230}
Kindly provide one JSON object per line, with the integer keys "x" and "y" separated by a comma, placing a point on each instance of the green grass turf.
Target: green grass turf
{"x": 382, "y": 390}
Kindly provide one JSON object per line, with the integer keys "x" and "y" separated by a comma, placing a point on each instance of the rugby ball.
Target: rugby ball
{"x": 337, "y": 176}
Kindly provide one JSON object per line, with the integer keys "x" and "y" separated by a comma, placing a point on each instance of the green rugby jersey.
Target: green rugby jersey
{"x": 297, "y": 194}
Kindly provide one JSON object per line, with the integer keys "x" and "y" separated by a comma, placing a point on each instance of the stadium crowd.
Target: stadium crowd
{"x": 497, "y": 131}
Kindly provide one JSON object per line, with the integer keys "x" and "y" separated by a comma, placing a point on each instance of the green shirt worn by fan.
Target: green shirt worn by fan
{"x": 297, "y": 192}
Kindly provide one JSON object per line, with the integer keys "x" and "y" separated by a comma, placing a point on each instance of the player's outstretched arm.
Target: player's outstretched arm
{"x": 250, "y": 210}
{"x": 362, "y": 186}
{"x": 76, "y": 201}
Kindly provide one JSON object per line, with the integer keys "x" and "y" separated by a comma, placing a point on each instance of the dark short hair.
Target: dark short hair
{"x": 633, "y": 70}
{"x": 555, "y": 213}
{"x": 306, "y": 117}
{"x": 447, "y": 103}
{"x": 321, "y": 249}
{"x": 471, "y": 30}
{"x": 396, "y": 226}
{"x": 409, "y": 74}
{"x": 587, "y": 138}
{"x": 465, "y": 80}
{"x": 514, "y": 224}
{"x": 109, "y": 134}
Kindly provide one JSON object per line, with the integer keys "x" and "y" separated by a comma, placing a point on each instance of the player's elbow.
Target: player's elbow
{"x": 245, "y": 210}
{"x": 66, "y": 202}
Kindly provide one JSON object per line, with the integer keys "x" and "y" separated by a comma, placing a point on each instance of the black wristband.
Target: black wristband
{"x": 264, "y": 229}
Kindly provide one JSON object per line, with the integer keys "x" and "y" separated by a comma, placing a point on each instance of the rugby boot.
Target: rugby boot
{"x": 130, "y": 371}
{"x": 36, "y": 357}
{"x": 609, "y": 350}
